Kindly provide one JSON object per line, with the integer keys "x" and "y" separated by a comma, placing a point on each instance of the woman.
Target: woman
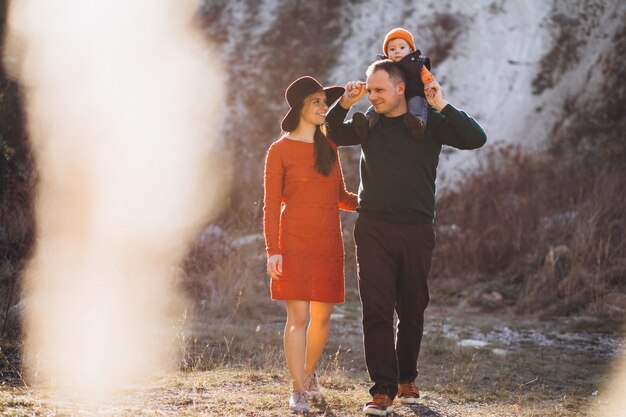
{"x": 304, "y": 190}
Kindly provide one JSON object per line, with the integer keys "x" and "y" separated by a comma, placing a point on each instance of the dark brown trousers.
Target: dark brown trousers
{"x": 393, "y": 265}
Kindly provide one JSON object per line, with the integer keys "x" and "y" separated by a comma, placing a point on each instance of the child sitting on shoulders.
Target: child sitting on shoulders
{"x": 399, "y": 47}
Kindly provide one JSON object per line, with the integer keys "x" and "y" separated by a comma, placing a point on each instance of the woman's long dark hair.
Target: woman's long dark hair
{"x": 325, "y": 156}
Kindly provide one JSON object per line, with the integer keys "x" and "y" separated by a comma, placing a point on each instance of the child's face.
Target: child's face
{"x": 398, "y": 49}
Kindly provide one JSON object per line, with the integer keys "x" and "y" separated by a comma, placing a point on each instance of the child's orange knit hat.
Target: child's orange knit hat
{"x": 398, "y": 33}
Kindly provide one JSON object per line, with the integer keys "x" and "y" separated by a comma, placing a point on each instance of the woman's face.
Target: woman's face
{"x": 314, "y": 109}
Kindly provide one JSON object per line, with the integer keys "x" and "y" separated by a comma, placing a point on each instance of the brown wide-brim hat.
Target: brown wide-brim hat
{"x": 298, "y": 91}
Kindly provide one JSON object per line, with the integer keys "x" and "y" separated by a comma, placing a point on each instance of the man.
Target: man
{"x": 394, "y": 232}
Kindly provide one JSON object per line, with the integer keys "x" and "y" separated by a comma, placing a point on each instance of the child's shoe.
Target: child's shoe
{"x": 298, "y": 402}
{"x": 415, "y": 125}
{"x": 361, "y": 125}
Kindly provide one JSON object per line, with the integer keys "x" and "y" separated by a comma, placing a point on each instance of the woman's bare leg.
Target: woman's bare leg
{"x": 295, "y": 340}
{"x": 317, "y": 334}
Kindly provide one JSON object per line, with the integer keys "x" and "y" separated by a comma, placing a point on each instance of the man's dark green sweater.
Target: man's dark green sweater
{"x": 398, "y": 172}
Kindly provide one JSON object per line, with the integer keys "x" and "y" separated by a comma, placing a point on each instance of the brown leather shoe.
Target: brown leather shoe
{"x": 415, "y": 125}
{"x": 408, "y": 393}
{"x": 381, "y": 405}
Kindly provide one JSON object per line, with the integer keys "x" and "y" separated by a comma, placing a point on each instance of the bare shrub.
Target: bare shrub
{"x": 484, "y": 225}
{"x": 225, "y": 277}
{"x": 536, "y": 224}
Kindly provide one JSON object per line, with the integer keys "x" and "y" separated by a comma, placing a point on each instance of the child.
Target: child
{"x": 400, "y": 47}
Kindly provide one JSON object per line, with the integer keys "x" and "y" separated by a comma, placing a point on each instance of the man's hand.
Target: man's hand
{"x": 275, "y": 266}
{"x": 354, "y": 91}
{"x": 434, "y": 95}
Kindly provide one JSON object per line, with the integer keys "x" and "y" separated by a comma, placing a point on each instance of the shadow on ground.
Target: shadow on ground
{"x": 423, "y": 411}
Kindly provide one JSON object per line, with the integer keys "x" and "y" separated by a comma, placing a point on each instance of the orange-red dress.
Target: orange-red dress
{"x": 301, "y": 222}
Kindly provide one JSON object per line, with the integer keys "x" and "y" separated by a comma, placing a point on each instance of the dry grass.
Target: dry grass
{"x": 237, "y": 369}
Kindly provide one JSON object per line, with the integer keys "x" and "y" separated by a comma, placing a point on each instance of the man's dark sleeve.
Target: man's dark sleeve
{"x": 459, "y": 130}
{"x": 340, "y": 132}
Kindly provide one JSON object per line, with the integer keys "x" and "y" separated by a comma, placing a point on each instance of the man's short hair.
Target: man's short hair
{"x": 391, "y": 68}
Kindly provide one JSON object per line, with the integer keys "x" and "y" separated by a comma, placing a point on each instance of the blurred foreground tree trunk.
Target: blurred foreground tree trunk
{"x": 17, "y": 179}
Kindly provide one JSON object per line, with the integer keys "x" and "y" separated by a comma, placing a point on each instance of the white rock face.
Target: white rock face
{"x": 492, "y": 64}
{"x": 489, "y": 70}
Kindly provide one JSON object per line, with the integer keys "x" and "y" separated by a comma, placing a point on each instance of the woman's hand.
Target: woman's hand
{"x": 354, "y": 91}
{"x": 275, "y": 266}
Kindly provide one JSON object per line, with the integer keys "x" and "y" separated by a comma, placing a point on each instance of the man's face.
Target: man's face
{"x": 383, "y": 94}
{"x": 397, "y": 49}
